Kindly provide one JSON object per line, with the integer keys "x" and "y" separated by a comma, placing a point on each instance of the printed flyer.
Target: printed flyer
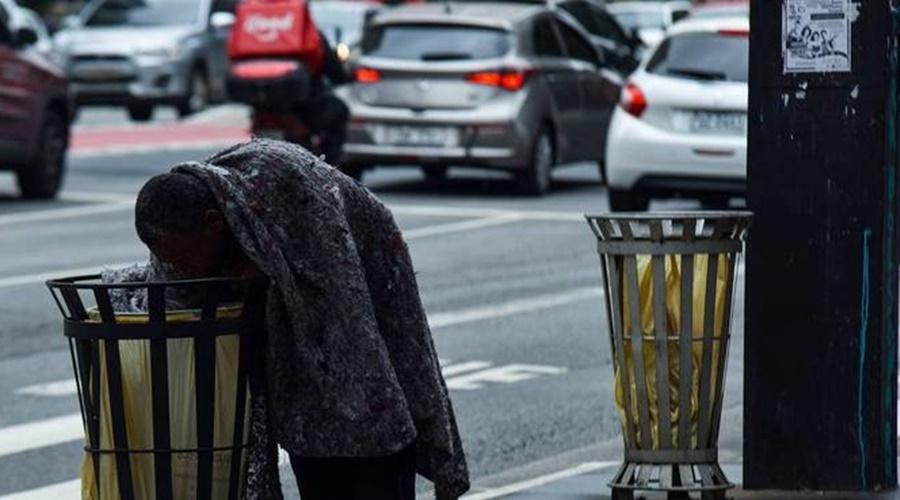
{"x": 816, "y": 36}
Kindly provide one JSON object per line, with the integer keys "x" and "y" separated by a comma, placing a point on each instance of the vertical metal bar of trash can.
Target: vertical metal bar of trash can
{"x": 663, "y": 455}
{"x": 94, "y": 339}
{"x": 162, "y": 423}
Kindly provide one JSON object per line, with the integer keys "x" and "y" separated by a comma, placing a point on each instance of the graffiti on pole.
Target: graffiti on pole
{"x": 816, "y": 36}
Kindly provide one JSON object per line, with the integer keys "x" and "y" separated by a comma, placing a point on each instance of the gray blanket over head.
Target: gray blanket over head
{"x": 350, "y": 365}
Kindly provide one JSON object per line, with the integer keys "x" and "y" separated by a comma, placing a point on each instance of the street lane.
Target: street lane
{"x": 511, "y": 285}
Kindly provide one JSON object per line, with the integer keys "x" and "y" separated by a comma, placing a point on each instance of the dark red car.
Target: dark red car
{"x": 35, "y": 109}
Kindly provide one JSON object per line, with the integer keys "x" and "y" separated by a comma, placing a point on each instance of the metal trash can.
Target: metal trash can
{"x": 164, "y": 395}
{"x": 669, "y": 282}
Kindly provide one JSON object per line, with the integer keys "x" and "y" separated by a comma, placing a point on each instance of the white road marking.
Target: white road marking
{"x": 41, "y": 433}
{"x": 64, "y": 213}
{"x": 449, "y": 211}
{"x": 456, "y": 227}
{"x": 449, "y": 371}
{"x": 59, "y": 430}
{"x": 537, "y": 482}
{"x": 486, "y": 217}
{"x": 508, "y": 374}
{"x": 30, "y": 279}
{"x": 69, "y": 489}
{"x": 112, "y": 202}
{"x": 50, "y": 389}
{"x": 97, "y": 196}
{"x": 531, "y": 304}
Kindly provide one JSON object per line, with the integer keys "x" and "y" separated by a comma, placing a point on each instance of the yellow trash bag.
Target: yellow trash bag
{"x": 137, "y": 389}
{"x": 673, "y": 277}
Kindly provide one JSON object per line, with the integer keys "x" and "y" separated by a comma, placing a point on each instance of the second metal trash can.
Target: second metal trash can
{"x": 164, "y": 394}
{"x": 669, "y": 282}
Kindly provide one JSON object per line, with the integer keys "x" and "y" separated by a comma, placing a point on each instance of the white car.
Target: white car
{"x": 650, "y": 20}
{"x": 681, "y": 124}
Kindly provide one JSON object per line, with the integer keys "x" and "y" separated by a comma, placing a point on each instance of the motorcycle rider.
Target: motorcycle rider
{"x": 269, "y": 30}
{"x": 324, "y": 113}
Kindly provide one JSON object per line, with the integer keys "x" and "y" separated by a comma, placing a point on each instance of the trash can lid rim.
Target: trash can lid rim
{"x": 673, "y": 215}
{"x": 90, "y": 282}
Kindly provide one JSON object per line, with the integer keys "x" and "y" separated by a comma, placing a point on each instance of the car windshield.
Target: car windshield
{"x": 339, "y": 22}
{"x": 432, "y": 42}
{"x": 703, "y": 56}
{"x": 145, "y": 13}
{"x": 639, "y": 20}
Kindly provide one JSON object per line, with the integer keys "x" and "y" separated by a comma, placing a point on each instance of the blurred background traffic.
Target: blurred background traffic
{"x": 654, "y": 93}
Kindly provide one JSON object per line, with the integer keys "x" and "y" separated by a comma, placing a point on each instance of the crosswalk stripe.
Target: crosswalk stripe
{"x": 512, "y": 307}
{"x": 51, "y": 389}
{"x": 456, "y": 227}
{"x": 33, "y": 435}
{"x": 69, "y": 489}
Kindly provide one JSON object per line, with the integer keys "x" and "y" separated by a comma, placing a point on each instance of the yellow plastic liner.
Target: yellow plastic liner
{"x": 673, "y": 277}
{"x": 137, "y": 389}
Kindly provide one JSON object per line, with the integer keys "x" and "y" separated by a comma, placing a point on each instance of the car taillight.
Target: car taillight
{"x": 513, "y": 79}
{"x": 735, "y": 32}
{"x": 367, "y": 75}
{"x": 633, "y": 100}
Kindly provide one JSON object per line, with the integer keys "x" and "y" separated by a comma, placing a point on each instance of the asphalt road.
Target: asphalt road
{"x": 511, "y": 286}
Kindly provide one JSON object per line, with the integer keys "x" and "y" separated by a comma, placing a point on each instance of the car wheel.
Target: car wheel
{"x": 42, "y": 177}
{"x": 198, "y": 95}
{"x": 535, "y": 179}
{"x": 435, "y": 175}
{"x": 627, "y": 200}
{"x": 140, "y": 112}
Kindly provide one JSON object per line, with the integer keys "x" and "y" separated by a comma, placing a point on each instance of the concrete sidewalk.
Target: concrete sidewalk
{"x": 584, "y": 474}
{"x": 589, "y": 482}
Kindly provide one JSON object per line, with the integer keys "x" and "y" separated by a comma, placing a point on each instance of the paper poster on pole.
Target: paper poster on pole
{"x": 816, "y": 36}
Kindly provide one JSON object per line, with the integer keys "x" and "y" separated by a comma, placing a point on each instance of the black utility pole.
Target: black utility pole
{"x": 821, "y": 328}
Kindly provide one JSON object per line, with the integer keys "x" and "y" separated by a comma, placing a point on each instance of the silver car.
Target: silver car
{"x": 503, "y": 86}
{"x": 141, "y": 53}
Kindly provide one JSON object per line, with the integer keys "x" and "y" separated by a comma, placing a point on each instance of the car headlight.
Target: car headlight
{"x": 165, "y": 52}
{"x": 343, "y": 52}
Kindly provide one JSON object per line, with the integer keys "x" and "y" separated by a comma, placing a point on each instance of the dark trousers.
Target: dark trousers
{"x": 327, "y": 115}
{"x": 391, "y": 477}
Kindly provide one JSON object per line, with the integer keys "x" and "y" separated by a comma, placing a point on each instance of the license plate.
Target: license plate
{"x": 100, "y": 73}
{"x": 705, "y": 121}
{"x": 419, "y": 136}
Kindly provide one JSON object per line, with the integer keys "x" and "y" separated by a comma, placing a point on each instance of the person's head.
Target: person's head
{"x": 177, "y": 217}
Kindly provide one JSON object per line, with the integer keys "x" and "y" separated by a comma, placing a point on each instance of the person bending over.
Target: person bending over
{"x": 353, "y": 388}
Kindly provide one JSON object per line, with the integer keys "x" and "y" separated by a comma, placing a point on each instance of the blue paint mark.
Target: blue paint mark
{"x": 863, "y": 328}
{"x": 889, "y": 373}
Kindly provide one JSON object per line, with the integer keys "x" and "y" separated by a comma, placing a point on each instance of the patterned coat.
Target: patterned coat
{"x": 350, "y": 364}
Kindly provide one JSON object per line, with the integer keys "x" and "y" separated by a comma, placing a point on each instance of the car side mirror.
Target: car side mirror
{"x": 635, "y": 35}
{"x": 26, "y": 37}
{"x": 369, "y": 16}
{"x": 222, "y": 20}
